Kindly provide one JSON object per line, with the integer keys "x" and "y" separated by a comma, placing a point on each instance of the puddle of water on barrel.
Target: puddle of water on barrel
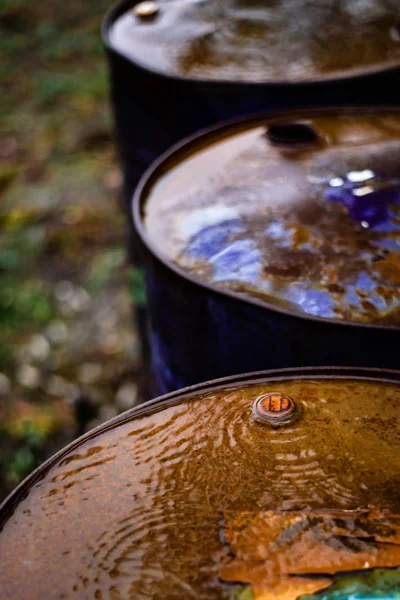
{"x": 244, "y": 215}
{"x": 192, "y": 499}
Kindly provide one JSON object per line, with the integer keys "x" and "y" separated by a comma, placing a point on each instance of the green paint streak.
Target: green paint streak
{"x": 379, "y": 584}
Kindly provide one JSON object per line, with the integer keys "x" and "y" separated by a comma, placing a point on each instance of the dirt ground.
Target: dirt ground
{"x": 69, "y": 354}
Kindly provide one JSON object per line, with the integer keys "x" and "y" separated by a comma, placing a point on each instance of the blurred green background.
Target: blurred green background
{"x": 69, "y": 355}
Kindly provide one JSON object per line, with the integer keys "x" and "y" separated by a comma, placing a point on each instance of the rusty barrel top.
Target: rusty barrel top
{"x": 301, "y": 212}
{"x": 192, "y": 496}
{"x": 285, "y": 41}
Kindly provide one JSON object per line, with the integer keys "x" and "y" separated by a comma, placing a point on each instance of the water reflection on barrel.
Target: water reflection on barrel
{"x": 201, "y": 500}
{"x": 188, "y": 65}
{"x": 280, "y": 41}
{"x": 312, "y": 225}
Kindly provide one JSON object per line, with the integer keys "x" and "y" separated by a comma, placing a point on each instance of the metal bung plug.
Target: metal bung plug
{"x": 274, "y": 408}
{"x": 292, "y": 135}
{"x": 146, "y": 10}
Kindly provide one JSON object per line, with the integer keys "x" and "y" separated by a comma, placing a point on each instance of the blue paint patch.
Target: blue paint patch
{"x": 211, "y": 240}
{"x": 241, "y": 261}
{"x": 312, "y": 302}
{"x": 365, "y": 283}
{"x": 389, "y": 244}
{"x": 282, "y": 236}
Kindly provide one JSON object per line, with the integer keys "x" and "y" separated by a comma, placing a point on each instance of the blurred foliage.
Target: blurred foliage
{"x": 23, "y": 299}
{"x": 7, "y": 175}
{"x": 22, "y": 463}
{"x": 137, "y": 286}
{"x": 25, "y": 302}
{"x": 104, "y": 267}
{"x": 33, "y": 424}
{"x": 65, "y": 319}
{"x": 28, "y": 428}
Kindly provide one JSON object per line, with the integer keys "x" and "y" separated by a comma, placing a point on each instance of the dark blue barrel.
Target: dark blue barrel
{"x": 156, "y": 106}
{"x": 209, "y": 313}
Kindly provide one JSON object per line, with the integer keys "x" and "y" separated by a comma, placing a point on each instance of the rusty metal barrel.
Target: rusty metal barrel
{"x": 270, "y": 486}
{"x": 274, "y": 242}
{"x": 178, "y": 66}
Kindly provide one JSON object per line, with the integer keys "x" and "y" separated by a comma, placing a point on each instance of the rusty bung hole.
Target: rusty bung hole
{"x": 274, "y": 408}
{"x": 292, "y": 135}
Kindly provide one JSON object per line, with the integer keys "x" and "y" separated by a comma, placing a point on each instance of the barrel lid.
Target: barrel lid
{"x": 301, "y": 212}
{"x": 195, "y": 497}
{"x": 285, "y": 41}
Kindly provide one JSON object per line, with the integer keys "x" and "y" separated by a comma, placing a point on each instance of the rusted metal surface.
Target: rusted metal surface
{"x": 189, "y": 494}
{"x": 283, "y": 42}
{"x": 155, "y": 108}
{"x": 313, "y": 228}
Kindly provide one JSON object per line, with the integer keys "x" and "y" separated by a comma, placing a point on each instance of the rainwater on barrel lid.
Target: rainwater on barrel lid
{"x": 300, "y": 212}
{"x": 254, "y": 40}
{"x": 270, "y": 488}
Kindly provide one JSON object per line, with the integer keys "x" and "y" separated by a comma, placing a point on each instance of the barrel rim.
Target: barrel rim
{"x": 357, "y": 75}
{"x": 378, "y": 375}
{"x": 184, "y": 146}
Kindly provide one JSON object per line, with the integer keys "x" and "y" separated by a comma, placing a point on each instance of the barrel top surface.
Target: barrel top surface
{"x": 199, "y": 498}
{"x": 301, "y": 212}
{"x": 288, "y": 41}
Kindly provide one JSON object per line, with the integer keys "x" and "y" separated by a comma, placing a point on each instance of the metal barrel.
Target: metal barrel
{"x": 200, "y": 330}
{"x": 154, "y": 109}
{"x": 230, "y": 489}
